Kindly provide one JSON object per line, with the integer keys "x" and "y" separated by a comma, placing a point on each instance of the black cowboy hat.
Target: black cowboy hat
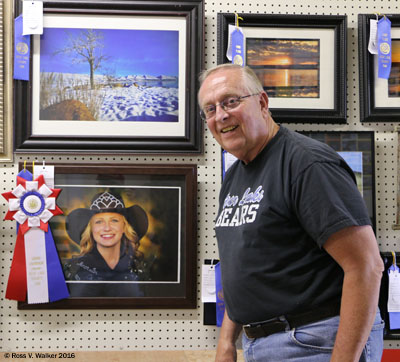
{"x": 78, "y": 219}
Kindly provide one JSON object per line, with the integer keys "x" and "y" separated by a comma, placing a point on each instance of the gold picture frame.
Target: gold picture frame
{"x": 6, "y": 120}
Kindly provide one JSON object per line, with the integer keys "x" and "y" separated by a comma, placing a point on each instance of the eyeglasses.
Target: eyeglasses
{"x": 227, "y": 104}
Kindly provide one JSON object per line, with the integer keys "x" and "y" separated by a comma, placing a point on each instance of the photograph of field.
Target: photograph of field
{"x": 109, "y": 75}
{"x": 287, "y": 68}
{"x": 394, "y": 78}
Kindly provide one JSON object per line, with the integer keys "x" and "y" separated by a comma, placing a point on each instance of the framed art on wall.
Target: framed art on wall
{"x": 299, "y": 59}
{"x": 147, "y": 215}
{"x": 379, "y": 98}
{"x": 113, "y": 77}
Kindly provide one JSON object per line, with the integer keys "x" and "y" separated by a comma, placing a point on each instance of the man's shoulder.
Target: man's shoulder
{"x": 302, "y": 150}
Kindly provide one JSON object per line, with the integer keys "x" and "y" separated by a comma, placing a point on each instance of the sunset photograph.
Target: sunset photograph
{"x": 394, "y": 78}
{"x": 287, "y": 68}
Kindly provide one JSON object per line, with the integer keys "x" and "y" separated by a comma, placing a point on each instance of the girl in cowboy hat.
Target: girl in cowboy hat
{"x": 109, "y": 235}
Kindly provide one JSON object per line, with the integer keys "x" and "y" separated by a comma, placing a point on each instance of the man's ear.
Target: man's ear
{"x": 264, "y": 101}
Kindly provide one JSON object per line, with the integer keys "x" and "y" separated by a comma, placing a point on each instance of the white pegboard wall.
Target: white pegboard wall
{"x": 74, "y": 330}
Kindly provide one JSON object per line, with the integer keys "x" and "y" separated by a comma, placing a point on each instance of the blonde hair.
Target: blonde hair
{"x": 130, "y": 237}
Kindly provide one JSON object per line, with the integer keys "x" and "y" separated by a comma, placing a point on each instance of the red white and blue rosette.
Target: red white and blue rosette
{"x": 36, "y": 271}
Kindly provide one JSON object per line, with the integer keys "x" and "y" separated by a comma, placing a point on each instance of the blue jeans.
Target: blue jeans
{"x": 310, "y": 343}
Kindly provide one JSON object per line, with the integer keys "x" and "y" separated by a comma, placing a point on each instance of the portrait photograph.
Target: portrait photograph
{"x": 153, "y": 214}
{"x": 127, "y": 235}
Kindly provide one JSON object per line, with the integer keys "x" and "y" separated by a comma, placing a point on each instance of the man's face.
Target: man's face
{"x": 241, "y": 131}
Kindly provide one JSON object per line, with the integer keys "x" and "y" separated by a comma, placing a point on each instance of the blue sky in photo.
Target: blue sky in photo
{"x": 131, "y": 52}
{"x": 353, "y": 159}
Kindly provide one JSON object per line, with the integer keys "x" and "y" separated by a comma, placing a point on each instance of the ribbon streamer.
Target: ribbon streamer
{"x": 237, "y": 40}
{"x": 35, "y": 268}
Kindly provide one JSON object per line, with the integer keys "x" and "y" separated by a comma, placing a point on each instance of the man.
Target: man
{"x": 300, "y": 264}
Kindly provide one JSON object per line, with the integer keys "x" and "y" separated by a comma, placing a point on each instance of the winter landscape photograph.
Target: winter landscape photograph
{"x": 109, "y": 75}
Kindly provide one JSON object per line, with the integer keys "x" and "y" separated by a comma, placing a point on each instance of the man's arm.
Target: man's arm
{"x": 355, "y": 249}
{"x": 226, "y": 349}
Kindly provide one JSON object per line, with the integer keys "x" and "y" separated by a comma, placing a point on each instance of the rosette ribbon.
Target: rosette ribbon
{"x": 35, "y": 269}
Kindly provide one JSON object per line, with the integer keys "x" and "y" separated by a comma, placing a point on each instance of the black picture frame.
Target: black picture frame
{"x": 168, "y": 196}
{"x": 387, "y": 259}
{"x": 374, "y": 98}
{"x": 355, "y": 141}
{"x": 336, "y": 113}
{"x": 187, "y": 140}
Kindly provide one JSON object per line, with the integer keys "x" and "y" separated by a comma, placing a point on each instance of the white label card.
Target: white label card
{"x": 373, "y": 37}
{"x": 32, "y": 17}
{"x": 36, "y": 266}
{"x": 394, "y": 291}
{"x": 208, "y": 284}
{"x": 47, "y": 172}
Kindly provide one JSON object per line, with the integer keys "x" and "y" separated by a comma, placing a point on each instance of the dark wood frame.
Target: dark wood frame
{"x": 336, "y": 22}
{"x": 191, "y": 142}
{"x": 184, "y": 174}
{"x": 371, "y": 206}
{"x": 368, "y": 111}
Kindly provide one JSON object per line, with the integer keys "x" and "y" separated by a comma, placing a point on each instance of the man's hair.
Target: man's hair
{"x": 251, "y": 81}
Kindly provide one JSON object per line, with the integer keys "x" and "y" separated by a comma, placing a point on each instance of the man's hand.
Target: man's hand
{"x": 226, "y": 352}
{"x": 226, "y": 349}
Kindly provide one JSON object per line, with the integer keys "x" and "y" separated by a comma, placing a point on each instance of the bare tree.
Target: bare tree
{"x": 87, "y": 46}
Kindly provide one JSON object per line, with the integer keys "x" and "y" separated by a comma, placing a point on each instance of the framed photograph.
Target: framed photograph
{"x": 113, "y": 77}
{"x": 379, "y": 98}
{"x": 358, "y": 150}
{"x": 127, "y": 238}
{"x": 299, "y": 59}
{"x": 6, "y": 125}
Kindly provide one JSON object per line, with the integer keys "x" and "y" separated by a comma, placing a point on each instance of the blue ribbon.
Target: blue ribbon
{"x": 220, "y": 305}
{"x": 22, "y": 47}
{"x": 25, "y": 174}
{"x": 384, "y": 48}
{"x": 55, "y": 277}
{"x": 237, "y": 47}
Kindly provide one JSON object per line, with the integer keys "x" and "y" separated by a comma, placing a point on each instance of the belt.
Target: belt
{"x": 289, "y": 321}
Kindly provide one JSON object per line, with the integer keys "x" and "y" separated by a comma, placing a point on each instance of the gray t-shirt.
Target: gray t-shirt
{"x": 274, "y": 217}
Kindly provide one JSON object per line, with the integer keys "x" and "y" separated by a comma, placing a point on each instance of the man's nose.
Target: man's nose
{"x": 220, "y": 113}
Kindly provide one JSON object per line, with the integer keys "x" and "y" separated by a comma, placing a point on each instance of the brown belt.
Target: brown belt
{"x": 289, "y": 321}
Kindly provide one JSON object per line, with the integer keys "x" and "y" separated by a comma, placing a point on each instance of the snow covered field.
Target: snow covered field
{"x": 131, "y": 98}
